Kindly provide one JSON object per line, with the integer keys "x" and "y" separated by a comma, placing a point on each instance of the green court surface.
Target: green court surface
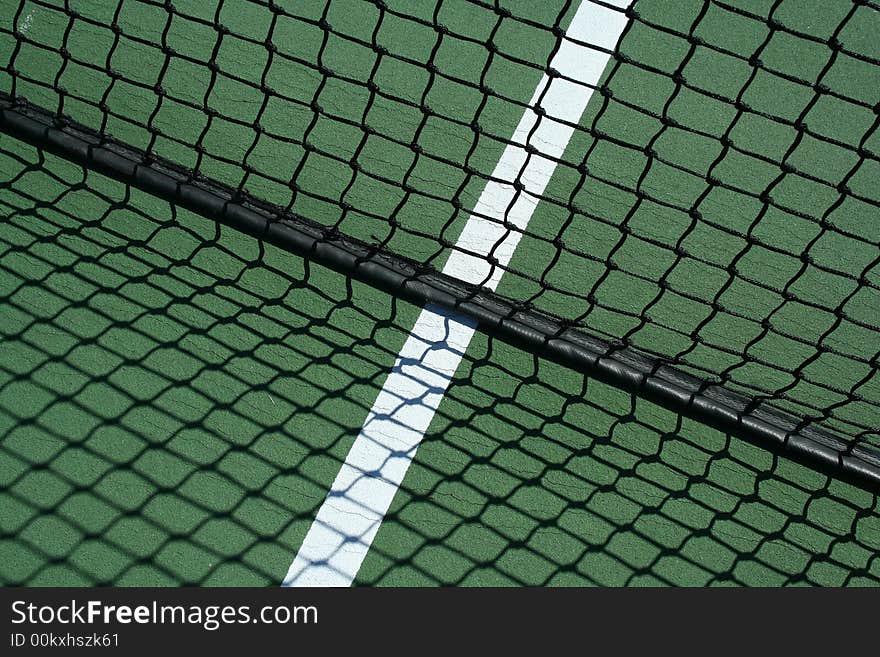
{"x": 177, "y": 398}
{"x": 175, "y": 404}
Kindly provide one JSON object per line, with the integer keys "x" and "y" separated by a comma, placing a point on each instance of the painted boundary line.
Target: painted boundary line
{"x": 347, "y": 522}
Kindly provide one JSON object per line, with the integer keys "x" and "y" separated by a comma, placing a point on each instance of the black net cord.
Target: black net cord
{"x": 539, "y": 333}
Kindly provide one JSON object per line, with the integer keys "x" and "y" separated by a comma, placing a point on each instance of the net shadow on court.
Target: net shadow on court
{"x": 714, "y": 210}
{"x": 176, "y": 398}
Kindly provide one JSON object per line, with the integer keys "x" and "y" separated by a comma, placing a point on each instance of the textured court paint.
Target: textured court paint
{"x": 26, "y": 24}
{"x": 174, "y": 402}
{"x": 582, "y": 264}
{"x": 616, "y": 247}
{"x": 531, "y": 475}
{"x": 502, "y": 213}
{"x": 534, "y": 475}
{"x": 335, "y": 343}
{"x": 346, "y": 524}
{"x": 523, "y": 478}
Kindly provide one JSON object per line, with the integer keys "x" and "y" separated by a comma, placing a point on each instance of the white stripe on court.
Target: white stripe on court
{"x": 350, "y": 517}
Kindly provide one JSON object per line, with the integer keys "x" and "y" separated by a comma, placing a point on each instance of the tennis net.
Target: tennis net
{"x": 708, "y": 236}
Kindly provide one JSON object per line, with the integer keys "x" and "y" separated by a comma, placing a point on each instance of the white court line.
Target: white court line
{"x": 350, "y": 516}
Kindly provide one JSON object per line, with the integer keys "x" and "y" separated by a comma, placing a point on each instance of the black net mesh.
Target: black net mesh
{"x": 715, "y": 206}
{"x": 176, "y": 398}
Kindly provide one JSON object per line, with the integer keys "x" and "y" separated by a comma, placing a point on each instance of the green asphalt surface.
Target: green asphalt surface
{"x": 176, "y": 398}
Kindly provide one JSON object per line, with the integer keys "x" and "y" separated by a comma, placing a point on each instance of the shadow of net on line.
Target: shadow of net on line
{"x": 714, "y": 208}
{"x": 176, "y": 399}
